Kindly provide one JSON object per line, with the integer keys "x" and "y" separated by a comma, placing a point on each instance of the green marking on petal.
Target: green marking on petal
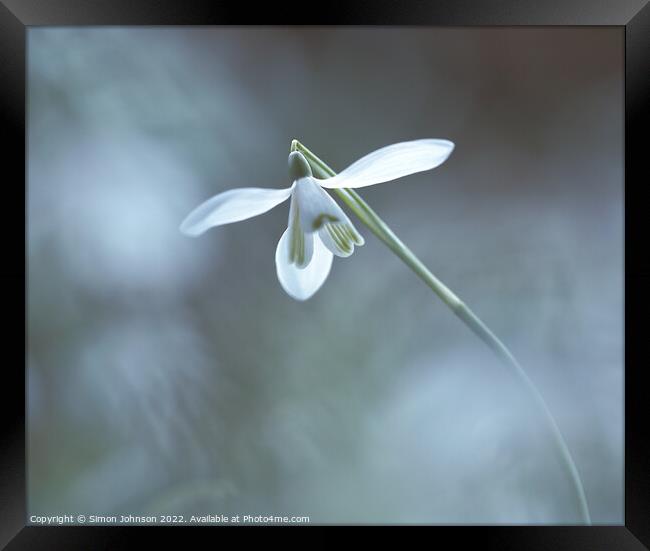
{"x": 323, "y": 219}
{"x": 340, "y": 238}
{"x": 297, "y": 240}
{"x": 352, "y": 233}
{"x": 335, "y": 237}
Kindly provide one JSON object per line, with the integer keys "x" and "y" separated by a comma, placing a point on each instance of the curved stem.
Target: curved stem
{"x": 377, "y": 226}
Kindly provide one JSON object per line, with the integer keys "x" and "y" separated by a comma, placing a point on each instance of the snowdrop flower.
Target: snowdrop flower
{"x": 318, "y": 228}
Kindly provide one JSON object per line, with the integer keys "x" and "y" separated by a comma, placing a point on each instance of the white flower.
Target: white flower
{"x": 318, "y": 229}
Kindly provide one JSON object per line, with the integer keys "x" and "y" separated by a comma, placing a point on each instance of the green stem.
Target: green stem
{"x": 377, "y": 226}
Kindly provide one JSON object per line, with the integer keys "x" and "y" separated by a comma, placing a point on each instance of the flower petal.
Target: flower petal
{"x": 315, "y": 211}
{"x": 315, "y": 205}
{"x": 301, "y": 284}
{"x": 340, "y": 237}
{"x": 391, "y": 162}
{"x": 301, "y": 244}
{"x": 232, "y": 206}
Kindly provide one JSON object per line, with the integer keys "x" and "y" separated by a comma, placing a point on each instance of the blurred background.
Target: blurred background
{"x": 173, "y": 375}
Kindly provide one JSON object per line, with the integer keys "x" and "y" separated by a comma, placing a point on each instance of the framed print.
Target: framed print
{"x": 383, "y": 269}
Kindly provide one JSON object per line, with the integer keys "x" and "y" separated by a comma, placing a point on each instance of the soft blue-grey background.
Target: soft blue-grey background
{"x": 169, "y": 374}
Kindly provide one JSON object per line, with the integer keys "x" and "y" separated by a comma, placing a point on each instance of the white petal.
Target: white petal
{"x": 232, "y": 206}
{"x": 340, "y": 237}
{"x": 301, "y": 244}
{"x": 391, "y": 162}
{"x": 302, "y": 283}
{"x": 315, "y": 205}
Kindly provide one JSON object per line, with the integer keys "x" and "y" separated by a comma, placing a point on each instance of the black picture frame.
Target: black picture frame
{"x": 633, "y": 18}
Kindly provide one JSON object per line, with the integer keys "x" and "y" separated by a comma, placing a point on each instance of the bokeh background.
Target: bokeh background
{"x": 169, "y": 374}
